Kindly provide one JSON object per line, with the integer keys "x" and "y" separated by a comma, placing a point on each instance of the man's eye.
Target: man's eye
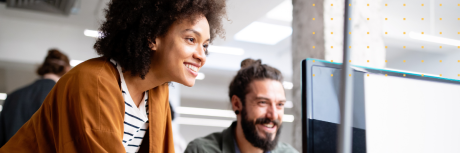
{"x": 262, "y": 102}
{"x": 281, "y": 104}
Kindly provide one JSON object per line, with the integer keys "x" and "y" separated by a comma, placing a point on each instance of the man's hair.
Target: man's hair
{"x": 131, "y": 27}
{"x": 251, "y": 70}
{"x": 55, "y": 62}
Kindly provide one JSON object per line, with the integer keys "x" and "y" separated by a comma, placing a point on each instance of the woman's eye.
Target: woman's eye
{"x": 191, "y": 39}
{"x": 206, "y": 49}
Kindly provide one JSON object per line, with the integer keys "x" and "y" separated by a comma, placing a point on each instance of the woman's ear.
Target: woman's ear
{"x": 237, "y": 105}
{"x": 154, "y": 44}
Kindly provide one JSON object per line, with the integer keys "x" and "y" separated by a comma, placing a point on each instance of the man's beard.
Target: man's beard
{"x": 251, "y": 134}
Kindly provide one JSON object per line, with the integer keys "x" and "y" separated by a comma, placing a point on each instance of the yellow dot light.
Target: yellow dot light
{"x": 422, "y": 4}
{"x": 313, "y": 74}
{"x": 349, "y": 46}
{"x": 386, "y": 61}
{"x": 349, "y": 61}
{"x": 313, "y": 18}
{"x": 367, "y": 61}
{"x": 367, "y": 46}
{"x": 367, "y": 18}
{"x": 367, "y": 32}
{"x": 332, "y": 4}
{"x": 404, "y": 46}
{"x": 367, "y": 4}
{"x": 422, "y": 47}
{"x": 404, "y": 61}
{"x": 423, "y": 33}
{"x": 440, "y": 4}
{"x": 386, "y": 18}
{"x": 350, "y": 33}
{"x": 440, "y": 46}
{"x": 349, "y": 4}
{"x": 332, "y": 33}
{"x": 440, "y": 18}
{"x": 332, "y": 46}
{"x": 313, "y": 32}
{"x": 349, "y": 18}
{"x": 349, "y": 74}
{"x": 404, "y": 75}
{"x": 404, "y": 18}
{"x": 440, "y": 61}
{"x": 313, "y": 4}
{"x": 313, "y": 46}
{"x": 422, "y": 61}
{"x": 422, "y": 18}
{"x": 332, "y": 18}
{"x": 313, "y": 60}
{"x": 386, "y": 46}
{"x": 367, "y": 74}
{"x": 404, "y": 4}
{"x": 386, "y": 74}
{"x": 332, "y": 60}
{"x": 386, "y": 32}
{"x": 404, "y": 32}
{"x": 332, "y": 75}
{"x": 386, "y": 4}
{"x": 440, "y": 33}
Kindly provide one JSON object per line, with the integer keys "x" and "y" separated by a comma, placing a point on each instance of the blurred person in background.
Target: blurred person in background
{"x": 23, "y": 103}
{"x": 257, "y": 96}
{"x": 118, "y": 102}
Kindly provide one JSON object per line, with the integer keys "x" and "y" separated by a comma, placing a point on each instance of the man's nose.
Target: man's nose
{"x": 272, "y": 112}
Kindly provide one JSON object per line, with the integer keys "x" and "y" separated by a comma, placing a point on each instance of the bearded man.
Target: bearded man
{"x": 257, "y": 96}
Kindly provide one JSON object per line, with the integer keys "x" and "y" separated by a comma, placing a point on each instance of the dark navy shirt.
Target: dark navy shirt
{"x": 20, "y": 105}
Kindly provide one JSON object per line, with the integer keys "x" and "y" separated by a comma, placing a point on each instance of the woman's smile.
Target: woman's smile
{"x": 192, "y": 68}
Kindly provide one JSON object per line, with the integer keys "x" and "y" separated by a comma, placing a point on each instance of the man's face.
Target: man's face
{"x": 262, "y": 113}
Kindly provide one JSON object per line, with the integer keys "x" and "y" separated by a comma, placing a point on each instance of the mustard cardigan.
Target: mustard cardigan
{"x": 84, "y": 113}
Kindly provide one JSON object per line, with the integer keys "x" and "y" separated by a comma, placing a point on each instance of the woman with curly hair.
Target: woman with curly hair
{"x": 119, "y": 101}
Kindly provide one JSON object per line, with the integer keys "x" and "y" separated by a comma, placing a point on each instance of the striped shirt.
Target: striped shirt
{"x": 136, "y": 118}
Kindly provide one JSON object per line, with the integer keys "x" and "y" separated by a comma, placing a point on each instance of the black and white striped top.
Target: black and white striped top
{"x": 136, "y": 118}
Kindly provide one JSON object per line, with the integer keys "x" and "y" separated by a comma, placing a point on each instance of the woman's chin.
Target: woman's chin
{"x": 188, "y": 82}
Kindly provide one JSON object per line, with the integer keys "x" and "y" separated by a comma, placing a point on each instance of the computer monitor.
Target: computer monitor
{"x": 321, "y": 108}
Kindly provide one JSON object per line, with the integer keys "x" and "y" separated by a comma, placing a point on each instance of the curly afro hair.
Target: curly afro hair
{"x": 131, "y": 25}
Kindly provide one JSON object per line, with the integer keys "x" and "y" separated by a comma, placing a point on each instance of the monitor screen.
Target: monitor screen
{"x": 321, "y": 106}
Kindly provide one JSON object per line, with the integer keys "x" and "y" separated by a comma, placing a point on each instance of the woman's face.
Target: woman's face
{"x": 181, "y": 52}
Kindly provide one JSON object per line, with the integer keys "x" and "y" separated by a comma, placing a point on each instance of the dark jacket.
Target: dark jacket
{"x": 223, "y": 142}
{"x": 20, "y": 105}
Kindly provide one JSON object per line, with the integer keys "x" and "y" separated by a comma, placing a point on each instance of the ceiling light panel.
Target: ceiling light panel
{"x": 263, "y": 33}
{"x": 225, "y": 50}
{"x": 92, "y": 33}
{"x": 282, "y": 12}
{"x": 435, "y": 39}
{"x": 74, "y": 63}
{"x": 2, "y": 96}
